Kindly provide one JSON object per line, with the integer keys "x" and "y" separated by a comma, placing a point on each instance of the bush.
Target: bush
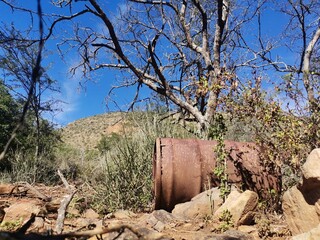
{"x": 123, "y": 179}
{"x": 28, "y": 168}
{"x": 285, "y": 135}
{"x": 31, "y": 157}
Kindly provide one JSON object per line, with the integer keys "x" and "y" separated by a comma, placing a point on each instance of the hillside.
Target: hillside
{"x": 85, "y": 133}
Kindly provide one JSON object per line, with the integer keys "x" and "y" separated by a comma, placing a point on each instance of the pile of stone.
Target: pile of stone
{"x": 187, "y": 220}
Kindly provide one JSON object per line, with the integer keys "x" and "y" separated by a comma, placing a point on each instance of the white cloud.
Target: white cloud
{"x": 69, "y": 95}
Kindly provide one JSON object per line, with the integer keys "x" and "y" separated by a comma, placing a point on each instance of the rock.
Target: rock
{"x": 19, "y": 213}
{"x": 159, "y": 226}
{"x": 6, "y": 189}
{"x": 301, "y": 204}
{"x": 313, "y": 234}
{"x": 158, "y": 220}
{"x": 182, "y": 165}
{"x": 201, "y": 206}
{"x": 311, "y": 171}
{"x": 84, "y": 222}
{"x": 90, "y": 214}
{"x": 37, "y": 225}
{"x": 300, "y": 215}
{"x": 120, "y": 235}
{"x": 127, "y": 234}
{"x": 229, "y": 235}
{"x": 234, "y": 234}
{"x": 251, "y": 230}
{"x": 241, "y": 206}
{"x": 151, "y": 234}
{"x": 123, "y": 214}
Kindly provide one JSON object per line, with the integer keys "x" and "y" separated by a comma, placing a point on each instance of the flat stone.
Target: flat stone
{"x": 19, "y": 213}
{"x": 158, "y": 220}
{"x": 200, "y": 206}
{"x": 6, "y": 188}
{"x": 123, "y": 214}
{"x": 228, "y": 235}
{"x": 90, "y": 214}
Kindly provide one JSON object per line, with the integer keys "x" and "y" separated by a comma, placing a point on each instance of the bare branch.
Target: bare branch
{"x": 64, "y": 204}
{"x": 314, "y": 105}
{"x": 35, "y": 76}
{"x": 63, "y": 18}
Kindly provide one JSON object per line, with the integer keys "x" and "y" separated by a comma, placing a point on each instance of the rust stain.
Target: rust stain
{"x": 182, "y": 168}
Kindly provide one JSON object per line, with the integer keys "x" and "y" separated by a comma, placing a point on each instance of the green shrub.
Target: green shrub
{"x": 31, "y": 157}
{"x": 31, "y": 169}
{"x": 125, "y": 182}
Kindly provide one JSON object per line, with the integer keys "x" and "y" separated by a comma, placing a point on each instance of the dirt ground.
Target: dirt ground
{"x": 27, "y": 209}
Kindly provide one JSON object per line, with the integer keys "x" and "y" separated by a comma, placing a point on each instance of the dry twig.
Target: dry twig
{"x": 96, "y": 232}
{"x": 34, "y": 190}
{"x": 64, "y": 204}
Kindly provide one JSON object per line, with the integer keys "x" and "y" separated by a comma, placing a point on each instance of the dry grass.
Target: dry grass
{"x": 112, "y": 154}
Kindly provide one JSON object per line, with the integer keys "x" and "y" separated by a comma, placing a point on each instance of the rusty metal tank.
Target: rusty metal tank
{"x": 183, "y": 168}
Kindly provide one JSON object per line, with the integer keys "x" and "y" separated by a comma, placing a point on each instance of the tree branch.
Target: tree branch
{"x": 36, "y": 73}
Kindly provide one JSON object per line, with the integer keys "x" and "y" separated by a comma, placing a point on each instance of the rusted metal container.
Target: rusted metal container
{"x": 182, "y": 168}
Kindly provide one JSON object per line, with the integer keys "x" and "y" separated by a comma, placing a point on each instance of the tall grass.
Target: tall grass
{"x": 26, "y": 167}
{"x": 126, "y": 182}
{"x": 118, "y": 173}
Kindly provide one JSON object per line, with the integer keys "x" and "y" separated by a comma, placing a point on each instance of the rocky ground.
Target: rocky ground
{"x": 41, "y": 212}
{"x": 29, "y": 209}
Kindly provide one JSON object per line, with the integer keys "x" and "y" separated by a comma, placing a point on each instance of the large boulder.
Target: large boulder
{"x": 313, "y": 234}
{"x": 300, "y": 216}
{"x": 241, "y": 206}
{"x": 182, "y": 166}
{"x": 311, "y": 171}
{"x": 301, "y": 203}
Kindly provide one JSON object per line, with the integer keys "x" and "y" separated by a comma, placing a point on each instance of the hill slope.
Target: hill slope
{"x": 85, "y": 133}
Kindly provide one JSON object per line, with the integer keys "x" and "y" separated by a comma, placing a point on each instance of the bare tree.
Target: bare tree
{"x": 187, "y": 51}
{"x": 301, "y": 80}
{"x": 20, "y": 59}
{"x": 195, "y": 54}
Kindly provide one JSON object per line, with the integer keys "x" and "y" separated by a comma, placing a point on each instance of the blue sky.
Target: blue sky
{"x": 80, "y": 102}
